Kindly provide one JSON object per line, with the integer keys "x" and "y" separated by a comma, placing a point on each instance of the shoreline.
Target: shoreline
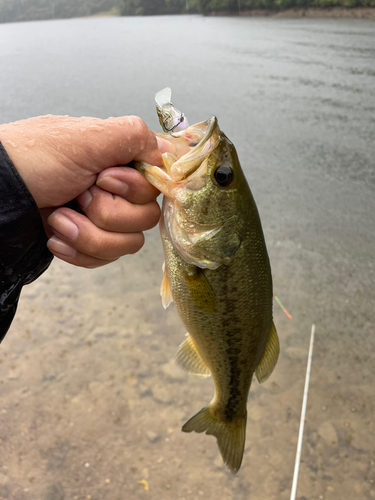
{"x": 297, "y": 13}
{"x": 367, "y": 13}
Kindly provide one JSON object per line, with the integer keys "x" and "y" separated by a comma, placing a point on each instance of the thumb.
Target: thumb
{"x": 165, "y": 146}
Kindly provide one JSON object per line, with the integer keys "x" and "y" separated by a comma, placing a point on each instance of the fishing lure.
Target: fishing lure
{"x": 170, "y": 118}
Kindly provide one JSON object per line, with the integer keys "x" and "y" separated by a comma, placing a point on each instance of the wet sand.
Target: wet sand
{"x": 92, "y": 402}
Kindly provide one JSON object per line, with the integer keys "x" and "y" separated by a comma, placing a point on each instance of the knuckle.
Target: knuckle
{"x": 94, "y": 247}
{"x": 141, "y": 132}
{"x": 101, "y": 210}
{"x": 105, "y": 216}
{"x": 92, "y": 242}
{"x": 139, "y": 126}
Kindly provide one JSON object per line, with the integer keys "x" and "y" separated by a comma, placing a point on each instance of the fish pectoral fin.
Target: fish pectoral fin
{"x": 270, "y": 357}
{"x": 165, "y": 289}
{"x": 222, "y": 244}
{"x": 200, "y": 290}
{"x": 204, "y": 246}
{"x": 230, "y": 435}
{"x": 189, "y": 359}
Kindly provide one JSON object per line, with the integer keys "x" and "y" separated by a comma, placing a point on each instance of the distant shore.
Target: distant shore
{"x": 293, "y": 13}
{"x": 333, "y": 12}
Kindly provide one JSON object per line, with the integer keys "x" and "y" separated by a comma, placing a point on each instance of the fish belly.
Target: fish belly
{"x": 230, "y": 329}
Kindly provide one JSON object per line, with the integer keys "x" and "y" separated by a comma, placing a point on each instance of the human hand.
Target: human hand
{"x": 64, "y": 158}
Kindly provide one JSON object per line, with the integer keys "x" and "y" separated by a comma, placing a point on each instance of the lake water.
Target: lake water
{"x": 90, "y": 401}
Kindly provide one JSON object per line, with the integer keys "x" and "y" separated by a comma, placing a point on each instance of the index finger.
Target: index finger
{"x": 127, "y": 183}
{"x": 120, "y": 141}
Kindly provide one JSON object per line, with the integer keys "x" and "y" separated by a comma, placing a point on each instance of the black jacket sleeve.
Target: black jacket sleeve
{"x": 23, "y": 252}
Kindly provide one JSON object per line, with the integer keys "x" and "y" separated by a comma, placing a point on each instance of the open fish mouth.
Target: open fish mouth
{"x": 202, "y": 130}
{"x": 193, "y": 145}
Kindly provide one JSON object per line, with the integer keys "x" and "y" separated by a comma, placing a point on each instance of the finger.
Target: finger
{"x": 44, "y": 214}
{"x": 68, "y": 254}
{"x": 84, "y": 236}
{"x": 113, "y": 213}
{"x": 165, "y": 146}
{"x": 118, "y": 141}
{"x": 127, "y": 183}
{"x": 58, "y": 157}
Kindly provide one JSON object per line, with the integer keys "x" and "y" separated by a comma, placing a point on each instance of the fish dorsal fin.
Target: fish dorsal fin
{"x": 189, "y": 360}
{"x": 165, "y": 289}
{"x": 270, "y": 356}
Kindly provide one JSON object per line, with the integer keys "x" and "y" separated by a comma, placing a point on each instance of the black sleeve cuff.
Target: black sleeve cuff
{"x": 23, "y": 252}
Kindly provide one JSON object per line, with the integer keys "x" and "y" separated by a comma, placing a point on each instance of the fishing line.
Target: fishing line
{"x": 303, "y": 414}
{"x": 282, "y": 307}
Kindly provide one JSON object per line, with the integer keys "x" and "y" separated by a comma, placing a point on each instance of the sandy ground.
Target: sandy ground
{"x": 92, "y": 404}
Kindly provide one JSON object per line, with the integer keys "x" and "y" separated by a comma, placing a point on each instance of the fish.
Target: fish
{"x": 217, "y": 273}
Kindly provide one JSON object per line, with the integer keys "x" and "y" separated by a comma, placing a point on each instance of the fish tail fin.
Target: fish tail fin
{"x": 230, "y": 435}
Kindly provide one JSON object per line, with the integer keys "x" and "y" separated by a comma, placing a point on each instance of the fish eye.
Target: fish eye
{"x": 223, "y": 175}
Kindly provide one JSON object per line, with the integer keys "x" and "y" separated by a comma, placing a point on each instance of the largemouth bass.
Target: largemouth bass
{"x": 218, "y": 274}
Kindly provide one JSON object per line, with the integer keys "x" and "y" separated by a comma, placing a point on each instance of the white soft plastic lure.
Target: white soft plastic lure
{"x": 170, "y": 118}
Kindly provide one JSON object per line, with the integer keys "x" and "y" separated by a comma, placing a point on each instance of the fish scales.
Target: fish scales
{"x": 236, "y": 332}
{"x": 218, "y": 274}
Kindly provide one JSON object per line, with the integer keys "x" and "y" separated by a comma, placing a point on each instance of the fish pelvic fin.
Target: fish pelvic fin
{"x": 270, "y": 356}
{"x": 230, "y": 435}
{"x": 189, "y": 359}
{"x": 165, "y": 289}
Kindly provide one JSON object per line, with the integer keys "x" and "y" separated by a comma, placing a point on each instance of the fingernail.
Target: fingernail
{"x": 165, "y": 146}
{"x": 113, "y": 185}
{"x": 84, "y": 199}
{"x": 63, "y": 225}
{"x": 60, "y": 247}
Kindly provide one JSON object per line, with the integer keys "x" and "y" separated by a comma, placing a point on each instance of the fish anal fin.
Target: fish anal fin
{"x": 189, "y": 360}
{"x": 165, "y": 289}
{"x": 270, "y": 357}
{"x": 230, "y": 435}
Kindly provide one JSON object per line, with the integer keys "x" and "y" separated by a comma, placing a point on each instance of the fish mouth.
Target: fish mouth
{"x": 193, "y": 145}
{"x": 207, "y": 128}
